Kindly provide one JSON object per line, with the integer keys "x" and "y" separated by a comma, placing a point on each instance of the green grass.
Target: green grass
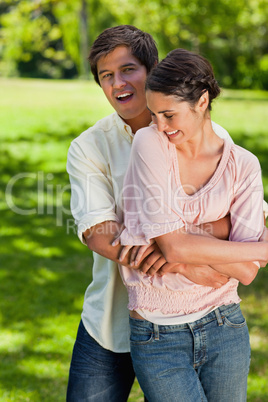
{"x": 44, "y": 270}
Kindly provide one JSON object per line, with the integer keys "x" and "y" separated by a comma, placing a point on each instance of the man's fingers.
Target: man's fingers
{"x": 116, "y": 242}
{"x": 217, "y": 280}
{"x": 141, "y": 252}
{"x": 133, "y": 254}
{"x": 153, "y": 263}
{"x": 124, "y": 252}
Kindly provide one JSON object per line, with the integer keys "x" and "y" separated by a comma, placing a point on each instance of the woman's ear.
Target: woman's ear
{"x": 203, "y": 101}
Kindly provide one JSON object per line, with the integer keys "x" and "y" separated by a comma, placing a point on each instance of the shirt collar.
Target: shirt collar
{"x": 124, "y": 128}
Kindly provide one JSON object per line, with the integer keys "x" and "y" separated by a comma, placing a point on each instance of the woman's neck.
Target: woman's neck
{"x": 205, "y": 141}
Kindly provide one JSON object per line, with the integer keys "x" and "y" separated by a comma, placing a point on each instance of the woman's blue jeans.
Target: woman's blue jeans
{"x": 207, "y": 360}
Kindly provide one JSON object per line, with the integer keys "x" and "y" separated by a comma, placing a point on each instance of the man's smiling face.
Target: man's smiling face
{"x": 122, "y": 78}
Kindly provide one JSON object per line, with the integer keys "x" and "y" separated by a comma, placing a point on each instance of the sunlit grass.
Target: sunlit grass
{"x": 44, "y": 269}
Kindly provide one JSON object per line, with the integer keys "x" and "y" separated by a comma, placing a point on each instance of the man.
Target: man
{"x": 101, "y": 369}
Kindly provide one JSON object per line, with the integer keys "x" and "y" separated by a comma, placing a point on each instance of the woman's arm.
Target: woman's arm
{"x": 189, "y": 248}
{"x": 244, "y": 272}
{"x": 151, "y": 210}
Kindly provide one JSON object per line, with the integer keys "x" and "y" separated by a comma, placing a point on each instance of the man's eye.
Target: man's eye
{"x": 106, "y": 75}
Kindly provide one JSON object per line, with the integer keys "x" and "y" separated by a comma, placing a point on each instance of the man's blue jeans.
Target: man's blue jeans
{"x": 97, "y": 374}
{"x": 207, "y": 360}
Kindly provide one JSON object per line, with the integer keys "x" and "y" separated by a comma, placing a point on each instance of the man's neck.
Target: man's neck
{"x": 139, "y": 122}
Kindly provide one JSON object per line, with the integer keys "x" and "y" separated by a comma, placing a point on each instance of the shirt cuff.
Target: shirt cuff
{"x": 88, "y": 222}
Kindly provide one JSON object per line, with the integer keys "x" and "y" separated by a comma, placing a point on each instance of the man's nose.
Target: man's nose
{"x": 118, "y": 81}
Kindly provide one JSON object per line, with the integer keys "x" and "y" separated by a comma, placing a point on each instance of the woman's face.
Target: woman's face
{"x": 177, "y": 119}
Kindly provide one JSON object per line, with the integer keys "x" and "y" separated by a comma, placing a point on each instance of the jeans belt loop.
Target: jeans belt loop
{"x": 218, "y": 316}
{"x": 156, "y": 332}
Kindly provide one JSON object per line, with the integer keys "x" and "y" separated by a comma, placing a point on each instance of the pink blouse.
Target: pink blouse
{"x": 155, "y": 204}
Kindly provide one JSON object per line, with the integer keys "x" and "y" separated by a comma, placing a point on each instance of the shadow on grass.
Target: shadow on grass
{"x": 44, "y": 271}
{"x": 31, "y": 383}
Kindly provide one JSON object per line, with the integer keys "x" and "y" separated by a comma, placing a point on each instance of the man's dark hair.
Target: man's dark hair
{"x": 141, "y": 43}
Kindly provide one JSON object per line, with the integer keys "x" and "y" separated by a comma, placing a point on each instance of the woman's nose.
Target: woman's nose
{"x": 161, "y": 125}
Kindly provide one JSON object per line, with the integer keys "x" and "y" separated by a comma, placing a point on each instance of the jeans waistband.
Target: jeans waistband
{"x": 218, "y": 314}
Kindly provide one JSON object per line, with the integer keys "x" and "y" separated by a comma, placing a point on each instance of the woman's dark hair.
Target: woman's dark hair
{"x": 141, "y": 43}
{"x": 184, "y": 74}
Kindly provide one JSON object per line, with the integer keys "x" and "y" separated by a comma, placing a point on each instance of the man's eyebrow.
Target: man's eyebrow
{"x": 123, "y": 66}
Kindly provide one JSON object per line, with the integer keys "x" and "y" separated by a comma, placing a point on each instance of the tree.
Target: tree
{"x": 31, "y": 41}
{"x": 51, "y": 38}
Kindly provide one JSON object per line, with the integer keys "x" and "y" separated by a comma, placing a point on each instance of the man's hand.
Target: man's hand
{"x": 100, "y": 238}
{"x": 147, "y": 258}
{"x": 264, "y": 238}
{"x": 199, "y": 274}
{"x": 219, "y": 229}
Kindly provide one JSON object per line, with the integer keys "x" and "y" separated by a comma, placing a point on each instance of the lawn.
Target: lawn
{"x": 44, "y": 270}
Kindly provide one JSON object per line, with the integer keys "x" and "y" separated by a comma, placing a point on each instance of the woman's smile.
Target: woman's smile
{"x": 172, "y": 134}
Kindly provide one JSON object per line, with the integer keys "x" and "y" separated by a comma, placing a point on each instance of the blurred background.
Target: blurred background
{"x": 47, "y": 98}
{"x": 50, "y": 38}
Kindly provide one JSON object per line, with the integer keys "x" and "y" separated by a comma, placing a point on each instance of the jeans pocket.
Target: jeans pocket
{"x": 235, "y": 319}
{"x": 141, "y": 338}
{"x": 140, "y": 332}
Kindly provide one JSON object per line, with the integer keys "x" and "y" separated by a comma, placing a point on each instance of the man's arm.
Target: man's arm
{"x": 100, "y": 237}
{"x": 219, "y": 229}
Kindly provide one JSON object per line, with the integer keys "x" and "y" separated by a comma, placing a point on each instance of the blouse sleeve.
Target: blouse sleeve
{"x": 150, "y": 208}
{"x": 246, "y": 212}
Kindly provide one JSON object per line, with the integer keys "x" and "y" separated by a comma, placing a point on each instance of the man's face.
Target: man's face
{"x": 122, "y": 78}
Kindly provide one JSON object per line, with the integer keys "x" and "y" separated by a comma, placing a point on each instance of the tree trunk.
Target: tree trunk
{"x": 84, "y": 64}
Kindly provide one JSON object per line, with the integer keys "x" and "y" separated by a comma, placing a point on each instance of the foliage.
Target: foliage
{"x": 44, "y": 270}
{"x": 233, "y": 35}
{"x": 32, "y": 42}
{"x": 44, "y": 38}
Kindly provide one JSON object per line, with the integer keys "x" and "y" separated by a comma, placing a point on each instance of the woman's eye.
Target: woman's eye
{"x": 169, "y": 117}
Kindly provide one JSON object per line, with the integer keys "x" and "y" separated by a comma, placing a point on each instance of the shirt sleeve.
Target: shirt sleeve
{"x": 221, "y": 132}
{"x": 265, "y": 209}
{"x": 150, "y": 208}
{"x": 92, "y": 198}
{"x": 246, "y": 211}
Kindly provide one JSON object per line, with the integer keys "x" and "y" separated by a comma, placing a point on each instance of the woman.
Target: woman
{"x": 190, "y": 342}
